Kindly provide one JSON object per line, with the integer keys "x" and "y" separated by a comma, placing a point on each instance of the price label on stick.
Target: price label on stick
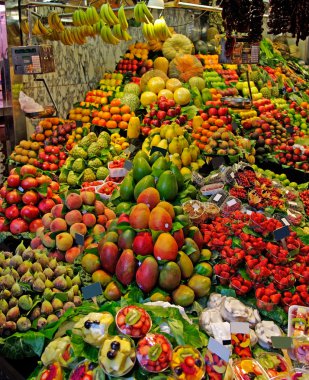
{"x": 281, "y": 342}
{"x": 234, "y": 125}
{"x": 157, "y": 149}
{"x": 78, "y": 123}
{"x": 92, "y": 291}
{"x": 79, "y": 239}
{"x": 281, "y": 234}
{"x": 216, "y": 162}
{"x": 128, "y": 165}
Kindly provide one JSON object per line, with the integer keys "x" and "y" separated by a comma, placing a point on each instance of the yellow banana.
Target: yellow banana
{"x": 111, "y": 38}
{"x": 106, "y": 14}
{"x": 82, "y": 17}
{"x": 112, "y": 14}
{"x": 43, "y": 29}
{"x": 126, "y": 36}
{"x": 138, "y": 12}
{"x": 104, "y": 35}
{"x": 36, "y": 31}
{"x": 117, "y": 31}
{"x": 122, "y": 18}
{"x": 57, "y": 23}
{"x": 50, "y": 19}
{"x": 24, "y": 26}
{"x": 81, "y": 35}
{"x": 146, "y": 14}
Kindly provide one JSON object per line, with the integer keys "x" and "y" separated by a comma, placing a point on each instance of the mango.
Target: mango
{"x": 126, "y": 266}
{"x": 200, "y": 285}
{"x": 160, "y": 220}
{"x": 147, "y": 274}
{"x": 139, "y": 216}
{"x": 108, "y": 256}
{"x": 157, "y": 296}
{"x": 126, "y": 189}
{"x": 204, "y": 269}
{"x": 185, "y": 264}
{"x": 102, "y": 277}
{"x": 141, "y": 168}
{"x": 168, "y": 207}
{"x": 183, "y": 296}
{"x": 179, "y": 237}
{"x": 125, "y": 239}
{"x": 142, "y": 244}
{"x": 111, "y": 236}
{"x": 167, "y": 186}
{"x": 170, "y": 276}
{"x": 112, "y": 292}
{"x": 195, "y": 256}
{"x": 206, "y": 254}
{"x": 150, "y": 197}
{"x": 90, "y": 263}
{"x": 165, "y": 247}
{"x": 144, "y": 183}
{"x": 197, "y": 236}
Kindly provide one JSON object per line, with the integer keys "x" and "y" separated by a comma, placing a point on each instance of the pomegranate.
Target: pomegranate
{"x": 35, "y": 224}
{"x": 28, "y": 169}
{"x": 30, "y": 197}
{"x": 13, "y": 197}
{"x": 29, "y": 212}
{"x": 12, "y": 212}
{"x": 3, "y": 191}
{"x": 18, "y": 226}
{"x": 43, "y": 179}
{"x": 13, "y": 180}
{"x": 46, "y": 205}
{"x": 28, "y": 183}
{"x": 54, "y": 186}
{"x": 3, "y": 226}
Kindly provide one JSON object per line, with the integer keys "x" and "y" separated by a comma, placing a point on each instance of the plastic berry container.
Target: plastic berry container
{"x": 86, "y": 370}
{"x": 196, "y": 211}
{"x": 274, "y": 365}
{"x": 255, "y": 276}
{"x": 299, "y": 374}
{"x": 230, "y": 205}
{"x": 294, "y": 217}
{"x": 248, "y": 369}
{"x": 240, "y": 290}
{"x": 215, "y": 177}
{"x": 133, "y": 321}
{"x": 211, "y": 210}
{"x": 117, "y": 355}
{"x": 291, "y": 194}
{"x": 187, "y": 363}
{"x": 285, "y": 283}
{"x": 106, "y": 190}
{"x": 212, "y": 188}
{"x": 116, "y": 172}
{"x": 295, "y": 205}
{"x": 219, "y": 197}
{"x": 229, "y": 175}
{"x": 154, "y": 353}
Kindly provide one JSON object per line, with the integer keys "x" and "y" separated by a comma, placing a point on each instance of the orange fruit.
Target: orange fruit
{"x": 102, "y": 123}
{"x": 106, "y": 116}
{"x": 126, "y": 117}
{"x": 123, "y": 125}
{"x": 111, "y": 124}
{"x": 114, "y": 110}
{"x": 125, "y": 109}
{"x": 105, "y": 108}
{"x": 117, "y": 118}
{"x": 115, "y": 103}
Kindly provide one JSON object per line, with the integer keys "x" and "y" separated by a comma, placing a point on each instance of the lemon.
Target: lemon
{"x": 185, "y": 171}
{"x": 294, "y": 185}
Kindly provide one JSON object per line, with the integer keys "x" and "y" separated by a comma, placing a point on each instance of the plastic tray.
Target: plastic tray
{"x": 212, "y": 188}
{"x": 219, "y": 197}
{"x": 117, "y": 172}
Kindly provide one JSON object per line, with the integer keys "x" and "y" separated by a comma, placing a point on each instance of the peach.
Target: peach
{"x": 78, "y": 228}
{"x": 89, "y": 219}
{"x": 88, "y": 197}
{"x": 99, "y": 207}
{"x": 35, "y": 242}
{"x": 73, "y": 216}
{"x": 64, "y": 241}
{"x": 40, "y": 232}
{"x": 102, "y": 219}
{"x": 47, "y": 219}
{"x": 74, "y": 201}
{"x": 48, "y": 241}
{"x": 98, "y": 232}
{"x": 109, "y": 213}
{"x": 58, "y": 225}
{"x": 88, "y": 241}
{"x": 57, "y": 211}
{"x": 71, "y": 254}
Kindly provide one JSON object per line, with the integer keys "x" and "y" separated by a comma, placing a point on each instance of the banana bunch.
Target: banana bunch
{"x": 54, "y": 36}
{"x": 77, "y": 36}
{"x": 108, "y": 16}
{"x": 79, "y": 18}
{"x": 121, "y": 34}
{"x": 142, "y": 13}
{"x": 148, "y": 31}
{"x": 24, "y": 26}
{"x": 122, "y": 18}
{"x": 108, "y": 37}
{"x": 87, "y": 31}
{"x": 161, "y": 29}
{"x": 54, "y": 22}
{"x": 39, "y": 29}
{"x": 155, "y": 45}
{"x": 98, "y": 26}
{"x": 66, "y": 37}
{"x": 92, "y": 16}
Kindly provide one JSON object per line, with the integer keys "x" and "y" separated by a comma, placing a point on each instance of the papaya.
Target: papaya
{"x": 140, "y": 154}
{"x": 143, "y": 184}
{"x": 154, "y": 157}
{"x": 127, "y": 188}
{"x": 178, "y": 175}
{"x": 141, "y": 169}
{"x": 170, "y": 276}
{"x": 183, "y": 296}
{"x": 167, "y": 186}
{"x": 200, "y": 285}
{"x": 147, "y": 274}
{"x": 160, "y": 166}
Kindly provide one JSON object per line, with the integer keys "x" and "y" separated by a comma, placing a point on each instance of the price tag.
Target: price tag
{"x": 290, "y": 129}
{"x": 128, "y": 165}
{"x": 248, "y": 212}
{"x": 231, "y": 203}
{"x": 282, "y": 233}
{"x": 92, "y": 290}
{"x": 157, "y": 149}
{"x": 79, "y": 239}
{"x": 217, "y": 348}
{"x": 216, "y": 162}
{"x": 21, "y": 189}
{"x": 285, "y": 222}
{"x": 234, "y": 125}
{"x": 240, "y": 327}
{"x": 78, "y": 123}
{"x": 217, "y": 197}
{"x": 198, "y": 179}
{"x": 232, "y": 175}
{"x": 293, "y": 204}
{"x": 132, "y": 148}
{"x": 281, "y": 342}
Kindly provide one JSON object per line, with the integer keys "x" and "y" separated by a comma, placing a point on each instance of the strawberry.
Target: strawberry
{"x": 275, "y": 298}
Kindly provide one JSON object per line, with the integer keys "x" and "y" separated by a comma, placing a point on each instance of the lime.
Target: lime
{"x": 286, "y": 182}
{"x": 294, "y": 185}
{"x": 282, "y": 177}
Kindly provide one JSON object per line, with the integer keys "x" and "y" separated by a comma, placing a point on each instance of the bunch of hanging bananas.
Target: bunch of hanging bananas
{"x": 24, "y": 26}
{"x": 75, "y": 35}
{"x": 55, "y": 22}
{"x": 142, "y": 13}
{"x": 121, "y": 34}
{"x": 148, "y": 31}
{"x": 39, "y": 29}
{"x": 88, "y": 17}
{"x": 122, "y": 18}
{"x": 108, "y": 16}
{"x": 161, "y": 30}
{"x": 108, "y": 37}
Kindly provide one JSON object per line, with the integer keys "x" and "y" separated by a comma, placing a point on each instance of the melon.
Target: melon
{"x": 177, "y": 45}
{"x": 161, "y": 63}
{"x": 147, "y": 98}
{"x": 172, "y": 84}
{"x": 156, "y": 84}
{"x": 166, "y": 93}
{"x": 151, "y": 74}
{"x": 197, "y": 82}
{"x": 182, "y": 96}
{"x": 131, "y": 88}
{"x": 185, "y": 67}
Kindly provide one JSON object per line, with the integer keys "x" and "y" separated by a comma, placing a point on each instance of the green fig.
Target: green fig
{"x": 5, "y": 294}
{"x": 38, "y": 285}
{"x": 68, "y": 305}
{"x": 48, "y": 273}
{"x": 35, "y": 313}
{"x": 4, "y": 306}
{"x": 46, "y": 308}
{"x": 41, "y": 323}
{"x": 15, "y": 274}
{"x": 13, "y": 314}
{"x": 15, "y": 261}
{"x": 49, "y": 284}
{"x": 28, "y": 254}
{"x": 75, "y": 289}
{"x": 77, "y": 300}
{"x": 60, "y": 270}
{"x": 51, "y": 318}
{"x": 13, "y": 302}
{"x": 53, "y": 264}
{"x": 23, "y": 324}
{"x": 39, "y": 275}
{"x": 37, "y": 267}
{"x": 69, "y": 282}
{"x": 57, "y": 304}
{"x": 48, "y": 294}
{"x": 43, "y": 260}
{"x": 20, "y": 249}
{"x": 60, "y": 283}
{"x": 70, "y": 272}
{"x": 70, "y": 294}
{"x": 24, "y": 267}
{"x": 76, "y": 280}
{"x": 7, "y": 281}
{"x": 25, "y": 302}
{"x": 9, "y": 328}
{"x": 2, "y": 320}
{"x": 27, "y": 278}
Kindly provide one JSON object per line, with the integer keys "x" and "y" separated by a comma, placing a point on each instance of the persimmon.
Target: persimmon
{"x": 204, "y": 139}
{"x": 213, "y": 128}
{"x": 105, "y": 108}
{"x": 123, "y": 125}
{"x": 205, "y": 132}
{"x": 39, "y": 137}
{"x": 126, "y": 117}
{"x": 111, "y": 124}
{"x": 48, "y": 133}
{"x": 125, "y": 109}
{"x": 106, "y": 116}
{"x": 101, "y": 122}
{"x": 115, "y": 103}
{"x": 114, "y": 110}
{"x": 117, "y": 118}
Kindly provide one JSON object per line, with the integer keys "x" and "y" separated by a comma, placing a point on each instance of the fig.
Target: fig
{"x": 15, "y": 274}
{"x": 70, "y": 294}
{"x": 25, "y": 302}
{"x": 52, "y": 318}
{"x": 43, "y": 260}
{"x": 69, "y": 282}
{"x": 16, "y": 290}
{"x": 20, "y": 249}
{"x": 27, "y": 278}
{"x": 41, "y": 323}
{"x": 59, "y": 313}
{"x": 15, "y": 261}
{"x": 13, "y": 314}
{"x": 4, "y": 306}
{"x": 2, "y": 320}
{"x": 48, "y": 294}
{"x": 46, "y": 308}
{"x": 24, "y": 267}
{"x": 68, "y": 305}
{"x": 7, "y": 281}
{"x": 28, "y": 254}
{"x": 8, "y": 254}
{"x": 53, "y": 264}
{"x": 48, "y": 273}
{"x": 49, "y": 284}
{"x": 70, "y": 272}
{"x": 60, "y": 283}
{"x": 5, "y": 294}
{"x": 37, "y": 267}
{"x": 57, "y": 304}
{"x": 77, "y": 300}
{"x": 38, "y": 285}
{"x": 76, "y": 280}
{"x": 75, "y": 289}
{"x": 40, "y": 275}
{"x": 60, "y": 270}
{"x": 13, "y": 302}
{"x": 35, "y": 313}
{"x": 9, "y": 328}
{"x": 23, "y": 324}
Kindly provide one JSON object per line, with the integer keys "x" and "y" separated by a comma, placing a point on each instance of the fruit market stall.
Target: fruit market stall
{"x": 161, "y": 228}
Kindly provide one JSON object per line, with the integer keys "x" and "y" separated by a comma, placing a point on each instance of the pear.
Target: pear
{"x": 176, "y": 160}
{"x": 175, "y": 146}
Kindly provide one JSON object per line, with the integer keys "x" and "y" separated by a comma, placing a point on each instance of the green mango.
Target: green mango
{"x": 185, "y": 265}
{"x": 154, "y": 157}
{"x": 127, "y": 188}
{"x": 143, "y": 184}
{"x": 110, "y": 236}
{"x": 167, "y": 186}
{"x": 141, "y": 168}
{"x": 123, "y": 207}
{"x": 194, "y": 256}
{"x": 160, "y": 165}
{"x": 178, "y": 175}
{"x": 140, "y": 154}
{"x": 183, "y": 296}
{"x": 170, "y": 276}
{"x": 200, "y": 285}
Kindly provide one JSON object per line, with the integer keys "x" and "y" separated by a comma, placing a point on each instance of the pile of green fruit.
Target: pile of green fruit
{"x": 35, "y": 290}
{"x": 88, "y": 160}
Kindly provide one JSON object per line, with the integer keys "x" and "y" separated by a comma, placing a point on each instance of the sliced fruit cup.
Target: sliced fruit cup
{"x": 117, "y": 355}
{"x": 285, "y": 283}
{"x": 106, "y": 190}
{"x": 294, "y": 217}
{"x": 187, "y": 363}
{"x": 301, "y": 349}
{"x": 86, "y": 370}
{"x": 211, "y": 210}
{"x": 295, "y": 206}
{"x": 215, "y": 366}
{"x": 243, "y": 289}
{"x": 298, "y": 316}
{"x": 248, "y": 369}
{"x": 291, "y": 194}
{"x": 196, "y": 211}
{"x": 52, "y": 371}
{"x": 241, "y": 344}
{"x": 299, "y": 374}
{"x": 133, "y": 321}
{"x": 154, "y": 353}
{"x": 274, "y": 364}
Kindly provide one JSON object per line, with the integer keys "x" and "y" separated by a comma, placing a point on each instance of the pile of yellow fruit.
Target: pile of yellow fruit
{"x": 138, "y": 50}
{"x": 119, "y": 143}
{"x": 26, "y": 152}
{"x": 82, "y": 114}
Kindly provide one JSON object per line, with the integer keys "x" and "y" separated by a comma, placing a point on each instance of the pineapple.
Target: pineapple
{"x": 275, "y": 91}
{"x": 255, "y": 76}
{"x": 265, "y": 91}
